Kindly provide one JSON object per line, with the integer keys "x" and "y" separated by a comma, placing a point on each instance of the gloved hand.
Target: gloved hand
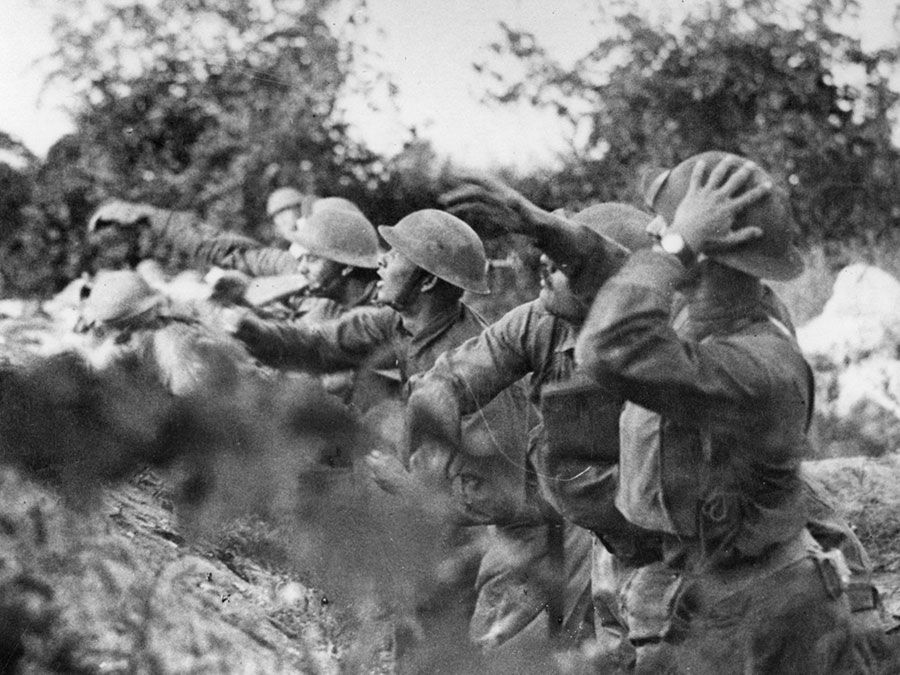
{"x": 705, "y": 216}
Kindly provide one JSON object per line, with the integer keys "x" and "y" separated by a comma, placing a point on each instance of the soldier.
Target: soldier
{"x": 285, "y": 206}
{"x": 126, "y": 320}
{"x": 576, "y": 463}
{"x": 536, "y": 340}
{"x": 338, "y": 254}
{"x": 288, "y": 208}
{"x": 124, "y": 233}
{"x": 128, "y": 232}
{"x": 339, "y": 259}
{"x": 435, "y": 258}
{"x": 712, "y": 434}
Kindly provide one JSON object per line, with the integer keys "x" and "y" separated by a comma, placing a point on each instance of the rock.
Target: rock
{"x": 860, "y": 320}
{"x": 853, "y": 347}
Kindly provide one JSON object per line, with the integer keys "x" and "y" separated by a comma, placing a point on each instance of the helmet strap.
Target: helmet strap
{"x": 413, "y": 287}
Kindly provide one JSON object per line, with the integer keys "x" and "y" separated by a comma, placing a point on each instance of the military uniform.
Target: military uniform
{"x": 374, "y": 337}
{"x": 518, "y": 576}
{"x": 183, "y": 240}
{"x": 712, "y": 436}
{"x": 487, "y": 479}
{"x": 580, "y": 487}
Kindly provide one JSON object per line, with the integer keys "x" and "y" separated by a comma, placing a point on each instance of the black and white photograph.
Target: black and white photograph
{"x": 450, "y": 337}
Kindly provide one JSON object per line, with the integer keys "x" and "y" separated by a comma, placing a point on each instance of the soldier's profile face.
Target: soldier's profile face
{"x": 323, "y": 274}
{"x": 285, "y": 222}
{"x": 556, "y": 293}
{"x": 397, "y": 273}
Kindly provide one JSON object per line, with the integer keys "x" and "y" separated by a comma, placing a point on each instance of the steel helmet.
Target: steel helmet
{"x": 334, "y": 204}
{"x": 117, "y": 296}
{"x": 443, "y": 245}
{"x": 772, "y": 256}
{"x": 624, "y": 224}
{"x": 343, "y": 236}
{"x": 284, "y": 198}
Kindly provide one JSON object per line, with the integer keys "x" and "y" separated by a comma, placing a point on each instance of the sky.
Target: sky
{"x": 428, "y": 46}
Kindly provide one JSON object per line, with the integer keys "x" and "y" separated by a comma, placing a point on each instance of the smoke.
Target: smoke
{"x": 279, "y": 451}
{"x": 77, "y": 428}
{"x": 274, "y": 448}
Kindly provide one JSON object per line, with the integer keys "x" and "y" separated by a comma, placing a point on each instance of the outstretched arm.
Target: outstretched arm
{"x": 200, "y": 243}
{"x": 345, "y": 342}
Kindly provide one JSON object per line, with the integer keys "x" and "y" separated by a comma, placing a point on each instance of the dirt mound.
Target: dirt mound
{"x": 119, "y": 590}
{"x": 867, "y": 492}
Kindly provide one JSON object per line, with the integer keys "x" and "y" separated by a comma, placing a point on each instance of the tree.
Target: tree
{"x": 208, "y": 105}
{"x": 741, "y": 75}
{"x": 31, "y": 247}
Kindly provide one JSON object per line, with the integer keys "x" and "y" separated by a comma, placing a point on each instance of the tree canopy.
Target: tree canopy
{"x": 793, "y": 90}
{"x": 208, "y": 105}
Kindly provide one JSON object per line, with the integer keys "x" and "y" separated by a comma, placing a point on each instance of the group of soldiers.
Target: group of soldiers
{"x": 621, "y": 455}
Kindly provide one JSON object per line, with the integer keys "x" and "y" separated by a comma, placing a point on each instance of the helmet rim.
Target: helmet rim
{"x": 429, "y": 253}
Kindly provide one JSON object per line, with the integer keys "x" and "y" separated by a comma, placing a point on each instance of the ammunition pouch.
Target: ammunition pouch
{"x": 581, "y": 419}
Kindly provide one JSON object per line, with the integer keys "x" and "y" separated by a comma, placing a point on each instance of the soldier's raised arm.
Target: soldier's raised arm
{"x": 562, "y": 239}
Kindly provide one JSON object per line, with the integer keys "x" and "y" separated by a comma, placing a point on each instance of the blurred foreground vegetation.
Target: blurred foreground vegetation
{"x": 209, "y": 106}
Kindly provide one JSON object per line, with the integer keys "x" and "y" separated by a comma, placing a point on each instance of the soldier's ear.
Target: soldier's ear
{"x": 428, "y": 283}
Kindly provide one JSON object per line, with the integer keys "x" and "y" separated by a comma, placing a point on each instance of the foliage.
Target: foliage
{"x": 745, "y": 76}
{"x": 193, "y": 105}
{"x": 208, "y": 105}
{"x": 31, "y": 240}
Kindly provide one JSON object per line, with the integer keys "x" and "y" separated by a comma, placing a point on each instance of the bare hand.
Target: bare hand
{"x": 490, "y": 201}
{"x": 706, "y": 214}
{"x": 389, "y": 473}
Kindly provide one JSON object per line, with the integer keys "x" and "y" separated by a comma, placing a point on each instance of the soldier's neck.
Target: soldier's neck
{"x": 423, "y": 310}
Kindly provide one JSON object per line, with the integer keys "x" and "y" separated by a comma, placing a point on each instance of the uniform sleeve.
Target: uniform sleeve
{"x": 480, "y": 368}
{"x": 466, "y": 379}
{"x": 263, "y": 261}
{"x": 627, "y": 341}
{"x": 203, "y": 245}
{"x": 345, "y": 342}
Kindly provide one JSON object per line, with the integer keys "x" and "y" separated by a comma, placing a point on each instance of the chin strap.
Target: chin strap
{"x": 410, "y": 290}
